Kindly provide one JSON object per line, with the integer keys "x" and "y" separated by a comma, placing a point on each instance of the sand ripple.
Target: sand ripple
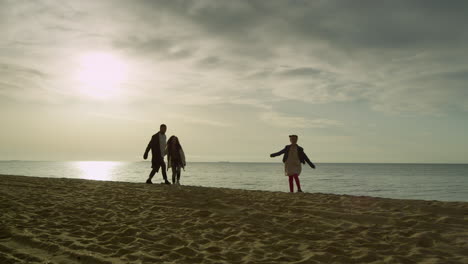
{"x": 77, "y": 221}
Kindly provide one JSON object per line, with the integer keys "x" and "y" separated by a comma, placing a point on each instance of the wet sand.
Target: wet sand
{"x": 47, "y": 220}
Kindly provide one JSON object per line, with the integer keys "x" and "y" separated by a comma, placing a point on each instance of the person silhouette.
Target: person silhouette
{"x": 157, "y": 145}
{"x": 175, "y": 158}
{"x": 294, "y": 155}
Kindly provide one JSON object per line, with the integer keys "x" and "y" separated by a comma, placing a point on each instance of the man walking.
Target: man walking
{"x": 158, "y": 147}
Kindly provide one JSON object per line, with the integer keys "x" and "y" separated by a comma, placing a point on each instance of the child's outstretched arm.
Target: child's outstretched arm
{"x": 308, "y": 161}
{"x": 278, "y": 153}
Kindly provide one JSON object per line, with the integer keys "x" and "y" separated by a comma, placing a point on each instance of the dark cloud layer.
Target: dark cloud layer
{"x": 361, "y": 24}
{"x": 380, "y": 51}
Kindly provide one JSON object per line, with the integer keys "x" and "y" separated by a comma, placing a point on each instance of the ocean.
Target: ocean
{"x": 443, "y": 182}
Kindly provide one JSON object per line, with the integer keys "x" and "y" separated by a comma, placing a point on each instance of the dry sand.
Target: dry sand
{"x": 47, "y": 220}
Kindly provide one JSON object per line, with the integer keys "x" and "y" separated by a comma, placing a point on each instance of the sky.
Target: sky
{"x": 358, "y": 81}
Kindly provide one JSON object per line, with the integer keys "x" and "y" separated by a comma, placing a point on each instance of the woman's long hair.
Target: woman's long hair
{"x": 173, "y": 140}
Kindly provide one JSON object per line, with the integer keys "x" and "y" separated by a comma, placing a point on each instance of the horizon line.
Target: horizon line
{"x": 226, "y": 161}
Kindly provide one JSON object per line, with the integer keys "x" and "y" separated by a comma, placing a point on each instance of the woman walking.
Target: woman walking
{"x": 175, "y": 158}
{"x": 293, "y": 157}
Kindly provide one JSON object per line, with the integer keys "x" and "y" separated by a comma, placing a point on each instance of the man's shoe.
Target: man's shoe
{"x": 167, "y": 182}
{"x": 148, "y": 181}
{"x": 299, "y": 190}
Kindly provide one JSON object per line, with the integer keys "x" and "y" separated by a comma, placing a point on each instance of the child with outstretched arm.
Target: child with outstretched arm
{"x": 294, "y": 155}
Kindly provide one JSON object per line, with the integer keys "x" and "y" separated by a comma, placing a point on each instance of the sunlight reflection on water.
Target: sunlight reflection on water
{"x": 446, "y": 182}
{"x": 97, "y": 170}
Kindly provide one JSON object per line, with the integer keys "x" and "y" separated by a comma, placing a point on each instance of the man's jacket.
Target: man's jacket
{"x": 155, "y": 147}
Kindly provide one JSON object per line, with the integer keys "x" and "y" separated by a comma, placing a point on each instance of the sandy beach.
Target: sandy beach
{"x": 49, "y": 220}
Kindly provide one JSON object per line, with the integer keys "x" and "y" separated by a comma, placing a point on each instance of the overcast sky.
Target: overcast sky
{"x": 358, "y": 81}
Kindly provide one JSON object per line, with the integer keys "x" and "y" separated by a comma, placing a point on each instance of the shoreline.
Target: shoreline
{"x": 240, "y": 189}
{"x": 227, "y": 161}
{"x": 92, "y": 221}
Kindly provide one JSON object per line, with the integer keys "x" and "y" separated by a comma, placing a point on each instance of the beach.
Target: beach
{"x": 59, "y": 220}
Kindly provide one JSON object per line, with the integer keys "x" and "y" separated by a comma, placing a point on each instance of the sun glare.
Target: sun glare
{"x": 101, "y": 75}
{"x": 96, "y": 170}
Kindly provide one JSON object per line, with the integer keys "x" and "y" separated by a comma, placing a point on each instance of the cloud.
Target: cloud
{"x": 429, "y": 93}
{"x": 301, "y": 72}
{"x": 210, "y": 62}
{"x": 23, "y": 83}
{"x": 252, "y": 102}
{"x": 282, "y": 120}
{"x": 191, "y": 119}
{"x": 397, "y": 56}
{"x": 168, "y": 47}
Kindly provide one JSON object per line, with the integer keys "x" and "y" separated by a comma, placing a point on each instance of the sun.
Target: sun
{"x": 101, "y": 75}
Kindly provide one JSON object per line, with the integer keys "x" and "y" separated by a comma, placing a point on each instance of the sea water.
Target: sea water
{"x": 444, "y": 182}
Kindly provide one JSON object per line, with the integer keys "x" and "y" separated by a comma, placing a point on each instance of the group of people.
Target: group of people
{"x": 293, "y": 158}
{"x": 160, "y": 148}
